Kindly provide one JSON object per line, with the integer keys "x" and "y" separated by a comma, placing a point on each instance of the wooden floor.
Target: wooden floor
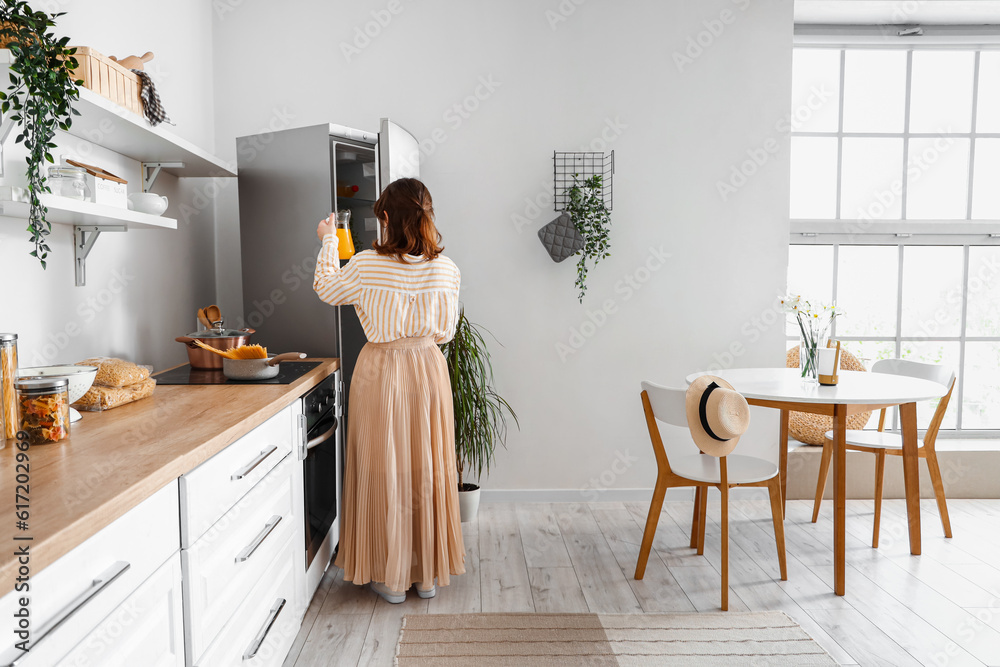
{"x": 941, "y": 608}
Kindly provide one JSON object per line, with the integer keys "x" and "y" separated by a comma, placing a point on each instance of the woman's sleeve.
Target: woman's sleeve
{"x": 334, "y": 285}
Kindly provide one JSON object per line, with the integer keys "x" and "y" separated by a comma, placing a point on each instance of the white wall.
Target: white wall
{"x": 143, "y": 286}
{"x": 607, "y": 65}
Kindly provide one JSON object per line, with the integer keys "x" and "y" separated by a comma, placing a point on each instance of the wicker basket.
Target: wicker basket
{"x": 108, "y": 79}
{"x": 810, "y": 428}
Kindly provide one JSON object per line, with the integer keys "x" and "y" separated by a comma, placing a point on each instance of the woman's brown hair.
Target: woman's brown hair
{"x": 411, "y": 229}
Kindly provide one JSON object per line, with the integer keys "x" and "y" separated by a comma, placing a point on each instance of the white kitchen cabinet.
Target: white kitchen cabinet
{"x": 70, "y": 597}
{"x": 147, "y": 629}
{"x": 211, "y": 489}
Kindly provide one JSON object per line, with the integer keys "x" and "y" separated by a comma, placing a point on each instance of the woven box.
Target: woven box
{"x": 108, "y": 79}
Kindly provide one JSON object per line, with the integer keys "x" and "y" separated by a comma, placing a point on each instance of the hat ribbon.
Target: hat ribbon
{"x": 702, "y": 411}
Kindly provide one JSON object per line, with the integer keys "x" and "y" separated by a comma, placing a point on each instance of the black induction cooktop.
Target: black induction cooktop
{"x": 288, "y": 372}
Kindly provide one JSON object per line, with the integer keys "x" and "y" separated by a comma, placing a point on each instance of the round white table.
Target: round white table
{"x": 783, "y": 389}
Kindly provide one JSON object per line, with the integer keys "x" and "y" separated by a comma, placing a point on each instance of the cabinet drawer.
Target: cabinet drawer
{"x": 89, "y": 582}
{"x": 208, "y": 491}
{"x": 268, "y": 616}
{"x": 147, "y": 629}
{"x": 225, "y": 563}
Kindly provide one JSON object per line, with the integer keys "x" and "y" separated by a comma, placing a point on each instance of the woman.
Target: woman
{"x": 400, "y": 522}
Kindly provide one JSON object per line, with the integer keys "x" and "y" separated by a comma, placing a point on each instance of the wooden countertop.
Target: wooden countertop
{"x": 116, "y": 459}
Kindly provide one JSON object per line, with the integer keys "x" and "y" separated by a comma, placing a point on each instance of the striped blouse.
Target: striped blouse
{"x": 393, "y": 300}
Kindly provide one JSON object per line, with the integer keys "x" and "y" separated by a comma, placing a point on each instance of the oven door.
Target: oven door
{"x": 321, "y": 478}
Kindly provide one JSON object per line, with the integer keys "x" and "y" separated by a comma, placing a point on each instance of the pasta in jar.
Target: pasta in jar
{"x": 8, "y": 373}
{"x": 43, "y": 409}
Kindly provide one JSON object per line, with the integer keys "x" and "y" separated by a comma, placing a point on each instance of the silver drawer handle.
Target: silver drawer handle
{"x": 279, "y": 604}
{"x": 261, "y": 536}
{"x": 103, "y": 580}
{"x": 248, "y": 468}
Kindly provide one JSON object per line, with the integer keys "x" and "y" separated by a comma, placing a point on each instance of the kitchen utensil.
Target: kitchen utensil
{"x": 256, "y": 369}
{"x": 217, "y": 337}
{"x": 148, "y": 202}
{"x": 205, "y": 322}
{"x": 213, "y": 314}
{"x": 80, "y": 379}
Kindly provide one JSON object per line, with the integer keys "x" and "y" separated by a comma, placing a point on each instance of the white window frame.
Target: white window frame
{"x": 965, "y": 233}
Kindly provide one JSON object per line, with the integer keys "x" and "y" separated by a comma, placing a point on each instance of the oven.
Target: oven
{"x": 322, "y": 453}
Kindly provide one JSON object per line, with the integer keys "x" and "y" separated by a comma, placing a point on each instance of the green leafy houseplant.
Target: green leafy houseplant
{"x": 480, "y": 412}
{"x": 40, "y": 99}
{"x": 593, "y": 220}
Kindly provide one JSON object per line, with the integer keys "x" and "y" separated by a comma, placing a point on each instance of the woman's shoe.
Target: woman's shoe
{"x": 389, "y": 595}
{"x": 431, "y": 592}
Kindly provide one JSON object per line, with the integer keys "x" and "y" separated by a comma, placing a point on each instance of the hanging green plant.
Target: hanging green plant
{"x": 592, "y": 219}
{"x": 40, "y": 99}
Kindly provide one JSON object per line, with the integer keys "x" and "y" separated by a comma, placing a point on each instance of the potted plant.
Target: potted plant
{"x": 40, "y": 98}
{"x": 593, "y": 220}
{"x": 480, "y": 412}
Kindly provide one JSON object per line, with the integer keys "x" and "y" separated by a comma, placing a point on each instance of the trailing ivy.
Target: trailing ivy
{"x": 593, "y": 220}
{"x": 40, "y": 99}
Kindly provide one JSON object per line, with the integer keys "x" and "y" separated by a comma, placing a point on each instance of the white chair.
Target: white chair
{"x": 881, "y": 443}
{"x": 702, "y": 471}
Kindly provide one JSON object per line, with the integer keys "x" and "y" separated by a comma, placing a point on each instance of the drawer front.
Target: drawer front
{"x": 211, "y": 489}
{"x": 262, "y": 630}
{"x": 89, "y": 582}
{"x": 147, "y": 629}
{"x": 225, "y": 563}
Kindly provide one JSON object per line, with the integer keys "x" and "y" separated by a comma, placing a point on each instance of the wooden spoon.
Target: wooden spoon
{"x": 213, "y": 314}
{"x": 203, "y": 318}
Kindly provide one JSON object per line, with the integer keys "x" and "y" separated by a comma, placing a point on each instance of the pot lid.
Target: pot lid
{"x": 217, "y": 331}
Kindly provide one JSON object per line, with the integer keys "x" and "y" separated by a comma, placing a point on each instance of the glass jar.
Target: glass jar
{"x": 43, "y": 408}
{"x": 69, "y": 182}
{"x": 345, "y": 240}
{"x": 8, "y": 373}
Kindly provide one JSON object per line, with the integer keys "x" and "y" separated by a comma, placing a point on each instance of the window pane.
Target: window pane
{"x": 874, "y": 91}
{"x": 937, "y": 185}
{"x": 983, "y": 317}
{"x": 981, "y": 404}
{"x": 941, "y": 91}
{"x": 814, "y": 178}
{"x": 932, "y": 291}
{"x": 935, "y": 352}
{"x": 872, "y": 179}
{"x": 815, "y": 90}
{"x": 868, "y": 352}
{"x": 985, "y": 191}
{"x": 810, "y": 273}
{"x": 867, "y": 290}
{"x": 988, "y": 114}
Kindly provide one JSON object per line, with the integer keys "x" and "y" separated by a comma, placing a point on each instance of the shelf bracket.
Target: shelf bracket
{"x": 150, "y": 170}
{"x": 84, "y": 237}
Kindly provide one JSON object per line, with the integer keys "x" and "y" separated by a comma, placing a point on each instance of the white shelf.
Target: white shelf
{"x": 66, "y": 211}
{"x": 129, "y": 134}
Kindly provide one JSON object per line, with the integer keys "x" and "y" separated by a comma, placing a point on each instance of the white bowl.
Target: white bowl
{"x": 81, "y": 378}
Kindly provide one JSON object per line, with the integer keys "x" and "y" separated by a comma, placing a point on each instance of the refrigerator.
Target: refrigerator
{"x": 288, "y": 182}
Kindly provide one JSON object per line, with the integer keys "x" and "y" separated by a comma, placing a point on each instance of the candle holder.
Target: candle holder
{"x": 830, "y": 378}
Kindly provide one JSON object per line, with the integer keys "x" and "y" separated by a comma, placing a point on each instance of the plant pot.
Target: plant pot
{"x": 468, "y": 502}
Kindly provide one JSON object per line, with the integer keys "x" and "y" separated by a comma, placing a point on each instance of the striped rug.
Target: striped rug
{"x": 529, "y": 640}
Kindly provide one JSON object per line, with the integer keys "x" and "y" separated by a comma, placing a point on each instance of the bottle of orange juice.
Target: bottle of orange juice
{"x": 345, "y": 244}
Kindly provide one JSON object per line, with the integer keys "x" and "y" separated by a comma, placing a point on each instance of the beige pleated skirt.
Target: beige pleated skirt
{"x": 400, "y": 523}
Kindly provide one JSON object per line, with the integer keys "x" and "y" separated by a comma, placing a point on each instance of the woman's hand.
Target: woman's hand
{"x": 325, "y": 227}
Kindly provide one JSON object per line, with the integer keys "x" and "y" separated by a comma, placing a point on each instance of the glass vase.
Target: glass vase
{"x": 809, "y": 360}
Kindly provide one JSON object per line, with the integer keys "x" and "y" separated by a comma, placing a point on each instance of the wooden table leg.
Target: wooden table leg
{"x": 839, "y": 498}
{"x": 783, "y": 459}
{"x": 911, "y": 477}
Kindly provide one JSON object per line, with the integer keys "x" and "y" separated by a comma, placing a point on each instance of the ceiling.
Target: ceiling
{"x": 925, "y": 12}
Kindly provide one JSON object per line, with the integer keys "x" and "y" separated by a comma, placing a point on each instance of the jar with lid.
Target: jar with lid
{"x": 69, "y": 182}
{"x": 43, "y": 408}
{"x": 8, "y": 373}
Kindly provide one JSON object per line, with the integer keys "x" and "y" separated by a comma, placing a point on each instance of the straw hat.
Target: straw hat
{"x": 716, "y": 414}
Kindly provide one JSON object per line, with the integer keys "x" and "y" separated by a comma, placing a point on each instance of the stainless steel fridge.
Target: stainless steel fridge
{"x": 288, "y": 182}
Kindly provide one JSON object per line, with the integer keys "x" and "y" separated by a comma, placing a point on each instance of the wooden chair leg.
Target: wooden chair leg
{"x": 694, "y": 516}
{"x": 702, "y": 519}
{"x": 774, "y": 489}
{"x": 725, "y": 545}
{"x": 935, "y": 470}
{"x": 655, "y": 505}
{"x": 824, "y": 474}
{"x": 879, "y": 479}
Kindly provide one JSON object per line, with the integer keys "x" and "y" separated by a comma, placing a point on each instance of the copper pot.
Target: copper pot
{"x": 217, "y": 337}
